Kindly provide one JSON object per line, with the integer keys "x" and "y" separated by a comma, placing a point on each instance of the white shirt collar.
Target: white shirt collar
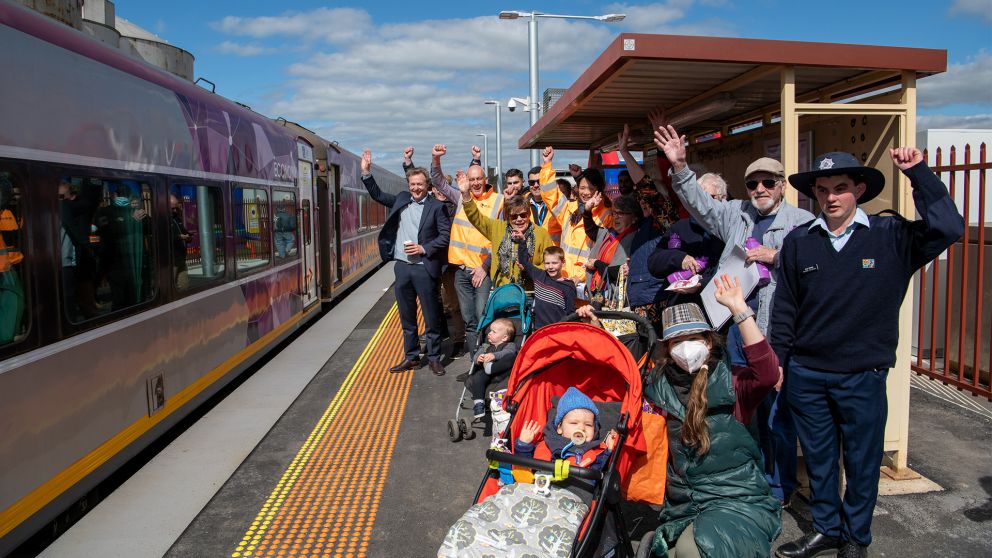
{"x": 860, "y": 218}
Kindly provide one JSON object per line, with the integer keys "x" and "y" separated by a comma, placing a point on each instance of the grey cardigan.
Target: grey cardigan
{"x": 732, "y": 222}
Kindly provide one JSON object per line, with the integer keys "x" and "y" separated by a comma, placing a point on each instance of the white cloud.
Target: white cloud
{"x": 239, "y": 49}
{"x": 961, "y": 84}
{"x": 421, "y": 82}
{"x": 666, "y": 17}
{"x": 332, "y": 25}
{"x": 971, "y": 8}
{"x": 940, "y": 121}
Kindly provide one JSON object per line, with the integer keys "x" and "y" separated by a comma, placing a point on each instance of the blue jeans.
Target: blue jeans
{"x": 832, "y": 409}
{"x": 472, "y": 302}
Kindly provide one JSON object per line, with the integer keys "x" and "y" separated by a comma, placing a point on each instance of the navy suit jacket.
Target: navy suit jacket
{"x": 435, "y": 226}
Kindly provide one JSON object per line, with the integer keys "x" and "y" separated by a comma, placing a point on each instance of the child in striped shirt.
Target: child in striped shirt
{"x": 554, "y": 297}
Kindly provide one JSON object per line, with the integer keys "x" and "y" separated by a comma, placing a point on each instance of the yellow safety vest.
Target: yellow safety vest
{"x": 469, "y": 247}
{"x": 9, "y": 255}
{"x": 574, "y": 241}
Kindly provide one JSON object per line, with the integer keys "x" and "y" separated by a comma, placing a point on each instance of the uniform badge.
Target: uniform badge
{"x": 826, "y": 163}
{"x": 868, "y": 264}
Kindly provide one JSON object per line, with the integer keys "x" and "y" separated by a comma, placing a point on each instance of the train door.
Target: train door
{"x": 308, "y": 252}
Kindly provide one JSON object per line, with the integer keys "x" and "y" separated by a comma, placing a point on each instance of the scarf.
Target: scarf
{"x": 605, "y": 254}
{"x": 506, "y": 254}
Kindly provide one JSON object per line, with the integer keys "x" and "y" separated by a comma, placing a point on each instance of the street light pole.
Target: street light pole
{"x": 534, "y": 104}
{"x": 532, "y": 44}
{"x": 499, "y": 147}
{"x": 485, "y": 151}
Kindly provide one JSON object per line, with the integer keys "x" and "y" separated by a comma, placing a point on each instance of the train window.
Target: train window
{"x": 13, "y": 319}
{"x": 196, "y": 234}
{"x": 285, "y": 223}
{"x": 252, "y": 236}
{"x": 106, "y": 244}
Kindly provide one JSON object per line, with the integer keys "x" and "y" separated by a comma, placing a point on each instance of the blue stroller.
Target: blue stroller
{"x": 508, "y": 301}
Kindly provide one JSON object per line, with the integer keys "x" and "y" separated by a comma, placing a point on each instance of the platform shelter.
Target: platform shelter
{"x": 740, "y": 99}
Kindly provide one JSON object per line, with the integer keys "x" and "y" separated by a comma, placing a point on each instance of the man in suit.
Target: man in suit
{"x": 415, "y": 236}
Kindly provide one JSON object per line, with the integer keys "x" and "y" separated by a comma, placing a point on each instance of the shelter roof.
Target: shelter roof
{"x": 712, "y": 82}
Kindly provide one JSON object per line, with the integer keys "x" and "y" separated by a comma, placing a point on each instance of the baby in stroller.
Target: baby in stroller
{"x": 495, "y": 359}
{"x": 574, "y": 436}
{"x": 541, "y": 521}
{"x": 558, "y": 492}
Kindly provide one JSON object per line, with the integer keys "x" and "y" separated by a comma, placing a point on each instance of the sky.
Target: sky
{"x": 385, "y": 75}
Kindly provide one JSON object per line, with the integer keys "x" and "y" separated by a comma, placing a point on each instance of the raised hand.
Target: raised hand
{"x": 574, "y": 170}
{"x": 548, "y": 154}
{"x": 906, "y": 157}
{"x": 623, "y": 139}
{"x": 657, "y": 118}
{"x": 669, "y": 141}
{"x": 529, "y": 431}
{"x": 594, "y": 201}
{"x": 367, "y": 161}
{"x": 476, "y": 153}
{"x": 462, "y": 180}
{"x": 729, "y": 293}
{"x": 439, "y": 150}
{"x": 408, "y": 154}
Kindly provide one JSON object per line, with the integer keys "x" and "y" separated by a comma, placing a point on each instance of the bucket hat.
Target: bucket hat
{"x": 839, "y": 162}
{"x": 681, "y": 320}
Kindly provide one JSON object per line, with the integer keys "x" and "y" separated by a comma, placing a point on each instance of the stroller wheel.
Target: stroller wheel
{"x": 454, "y": 433}
{"x": 467, "y": 432}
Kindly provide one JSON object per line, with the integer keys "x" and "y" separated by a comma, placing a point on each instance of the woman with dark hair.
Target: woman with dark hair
{"x": 612, "y": 248}
{"x": 503, "y": 266}
{"x": 574, "y": 240}
{"x": 717, "y": 501}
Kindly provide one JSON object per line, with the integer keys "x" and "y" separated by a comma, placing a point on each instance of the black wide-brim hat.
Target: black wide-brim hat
{"x": 839, "y": 162}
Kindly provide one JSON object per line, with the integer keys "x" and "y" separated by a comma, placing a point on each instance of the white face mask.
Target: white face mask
{"x": 690, "y": 355}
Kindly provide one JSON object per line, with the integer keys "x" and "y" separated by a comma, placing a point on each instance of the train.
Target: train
{"x": 157, "y": 239}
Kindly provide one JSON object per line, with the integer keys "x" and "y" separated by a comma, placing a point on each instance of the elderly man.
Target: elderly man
{"x": 836, "y": 326}
{"x": 469, "y": 249}
{"x": 766, "y": 217}
{"x": 415, "y": 235}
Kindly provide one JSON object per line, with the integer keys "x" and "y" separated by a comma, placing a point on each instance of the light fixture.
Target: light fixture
{"x": 612, "y": 18}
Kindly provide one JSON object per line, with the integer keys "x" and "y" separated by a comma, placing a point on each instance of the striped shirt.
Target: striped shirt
{"x": 553, "y": 298}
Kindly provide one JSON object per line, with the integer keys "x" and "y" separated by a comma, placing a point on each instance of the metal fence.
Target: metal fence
{"x": 953, "y": 308}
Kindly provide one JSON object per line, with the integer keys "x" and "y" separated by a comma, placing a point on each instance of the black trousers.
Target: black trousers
{"x": 413, "y": 283}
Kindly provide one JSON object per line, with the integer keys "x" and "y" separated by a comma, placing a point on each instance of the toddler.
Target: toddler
{"x": 491, "y": 363}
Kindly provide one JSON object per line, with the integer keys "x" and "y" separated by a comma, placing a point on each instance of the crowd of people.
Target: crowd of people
{"x": 804, "y": 356}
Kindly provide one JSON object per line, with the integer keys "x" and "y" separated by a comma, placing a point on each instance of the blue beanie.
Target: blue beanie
{"x": 571, "y": 400}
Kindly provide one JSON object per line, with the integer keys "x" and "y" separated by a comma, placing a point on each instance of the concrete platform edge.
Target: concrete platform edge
{"x": 146, "y": 514}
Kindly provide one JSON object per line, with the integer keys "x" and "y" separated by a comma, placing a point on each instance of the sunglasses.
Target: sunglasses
{"x": 768, "y": 183}
{"x": 533, "y": 182}
{"x": 519, "y": 215}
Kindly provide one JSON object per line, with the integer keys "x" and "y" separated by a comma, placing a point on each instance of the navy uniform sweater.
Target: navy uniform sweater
{"x": 839, "y": 311}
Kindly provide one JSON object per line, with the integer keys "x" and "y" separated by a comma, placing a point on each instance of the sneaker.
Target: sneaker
{"x": 479, "y": 410}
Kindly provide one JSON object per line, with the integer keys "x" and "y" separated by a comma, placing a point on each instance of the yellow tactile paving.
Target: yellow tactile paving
{"x": 325, "y": 503}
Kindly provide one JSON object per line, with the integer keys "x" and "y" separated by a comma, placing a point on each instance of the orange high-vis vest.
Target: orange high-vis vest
{"x": 574, "y": 241}
{"x": 469, "y": 247}
{"x": 9, "y": 255}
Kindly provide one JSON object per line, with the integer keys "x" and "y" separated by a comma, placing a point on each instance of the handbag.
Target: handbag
{"x": 646, "y": 481}
{"x": 617, "y": 300}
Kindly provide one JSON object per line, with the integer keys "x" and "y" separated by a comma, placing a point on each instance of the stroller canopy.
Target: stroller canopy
{"x": 572, "y": 354}
{"x": 507, "y": 301}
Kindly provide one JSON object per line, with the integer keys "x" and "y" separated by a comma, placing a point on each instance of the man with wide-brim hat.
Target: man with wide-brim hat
{"x": 842, "y": 281}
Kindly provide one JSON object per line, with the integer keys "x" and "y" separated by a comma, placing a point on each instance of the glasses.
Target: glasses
{"x": 519, "y": 215}
{"x": 768, "y": 183}
{"x": 533, "y": 182}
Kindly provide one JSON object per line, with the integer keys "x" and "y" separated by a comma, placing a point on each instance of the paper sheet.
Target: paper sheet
{"x": 735, "y": 266}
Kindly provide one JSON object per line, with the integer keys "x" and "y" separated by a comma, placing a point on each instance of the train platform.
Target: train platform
{"x": 323, "y": 452}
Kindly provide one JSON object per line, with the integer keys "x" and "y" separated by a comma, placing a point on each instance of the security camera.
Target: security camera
{"x": 512, "y": 105}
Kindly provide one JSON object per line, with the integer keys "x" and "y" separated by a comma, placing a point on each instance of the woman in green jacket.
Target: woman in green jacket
{"x": 717, "y": 501}
{"x": 503, "y": 266}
